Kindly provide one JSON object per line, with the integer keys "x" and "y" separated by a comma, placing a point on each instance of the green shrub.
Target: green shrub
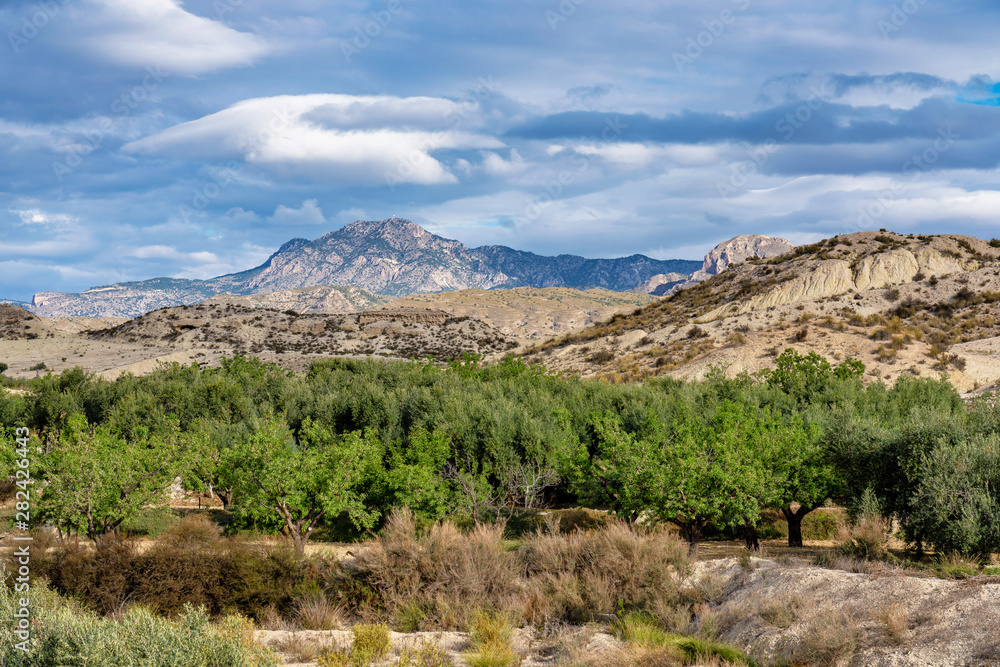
{"x": 371, "y": 643}
{"x": 220, "y": 575}
{"x": 65, "y": 634}
{"x": 492, "y": 638}
{"x": 427, "y": 654}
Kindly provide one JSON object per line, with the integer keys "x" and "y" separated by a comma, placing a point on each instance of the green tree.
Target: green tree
{"x": 94, "y": 479}
{"x": 303, "y": 480}
{"x": 691, "y": 474}
{"x": 956, "y": 503}
{"x": 803, "y": 473}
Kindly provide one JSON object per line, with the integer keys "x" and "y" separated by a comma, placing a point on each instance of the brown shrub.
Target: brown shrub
{"x": 444, "y": 577}
{"x": 829, "y": 637}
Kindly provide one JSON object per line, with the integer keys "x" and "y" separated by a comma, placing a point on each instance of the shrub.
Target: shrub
{"x": 829, "y": 638}
{"x": 995, "y": 243}
{"x": 427, "y": 654}
{"x": 371, "y": 643}
{"x": 65, "y": 634}
{"x": 492, "y": 636}
{"x": 314, "y": 611}
{"x": 895, "y": 622}
{"x": 642, "y": 630}
{"x": 892, "y": 294}
{"x": 696, "y": 332}
{"x": 217, "y": 574}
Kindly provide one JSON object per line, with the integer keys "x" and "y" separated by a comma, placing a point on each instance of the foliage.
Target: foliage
{"x": 301, "y": 480}
{"x": 96, "y": 479}
{"x": 64, "y": 634}
{"x": 956, "y": 503}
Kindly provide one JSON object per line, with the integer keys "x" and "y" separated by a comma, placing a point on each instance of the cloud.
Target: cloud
{"x": 141, "y": 33}
{"x": 361, "y": 140}
{"x": 308, "y": 214}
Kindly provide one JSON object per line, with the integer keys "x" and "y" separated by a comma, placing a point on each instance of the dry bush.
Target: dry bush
{"x": 314, "y": 611}
{"x": 583, "y": 576}
{"x": 300, "y": 648}
{"x": 867, "y": 538}
{"x": 448, "y": 575}
{"x": 780, "y": 613}
{"x": 895, "y": 621}
{"x": 441, "y": 578}
{"x": 828, "y": 638}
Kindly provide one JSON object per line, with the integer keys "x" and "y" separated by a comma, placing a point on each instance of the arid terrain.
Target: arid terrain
{"x": 208, "y": 332}
{"x": 926, "y": 306}
{"x": 785, "y": 611}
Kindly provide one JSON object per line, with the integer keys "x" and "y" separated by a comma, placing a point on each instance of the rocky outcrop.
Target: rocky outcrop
{"x": 884, "y": 269}
{"x": 739, "y": 249}
{"x": 661, "y": 283}
{"x": 824, "y": 279}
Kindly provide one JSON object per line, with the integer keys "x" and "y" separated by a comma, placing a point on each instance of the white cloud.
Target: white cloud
{"x": 308, "y": 214}
{"x": 160, "y": 33}
{"x": 36, "y": 216}
{"x": 298, "y": 137}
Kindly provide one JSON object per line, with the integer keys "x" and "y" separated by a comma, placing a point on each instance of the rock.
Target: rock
{"x": 739, "y": 249}
{"x": 886, "y": 268}
{"x": 826, "y": 278}
{"x": 660, "y": 283}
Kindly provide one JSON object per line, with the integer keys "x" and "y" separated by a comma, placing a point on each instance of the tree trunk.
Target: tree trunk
{"x": 300, "y": 542}
{"x": 226, "y": 496}
{"x": 750, "y": 536}
{"x": 794, "y": 520}
{"x": 691, "y": 532}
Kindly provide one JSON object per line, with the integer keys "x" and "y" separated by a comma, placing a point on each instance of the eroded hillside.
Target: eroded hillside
{"x": 923, "y": 305}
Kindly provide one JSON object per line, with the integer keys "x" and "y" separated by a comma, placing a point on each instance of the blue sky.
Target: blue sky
{"x": 159, "y": 137}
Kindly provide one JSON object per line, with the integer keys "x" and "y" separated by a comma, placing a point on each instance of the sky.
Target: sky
{"x": 191, "y": 138}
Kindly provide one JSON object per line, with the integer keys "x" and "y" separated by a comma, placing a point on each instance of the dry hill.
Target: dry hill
{"x": 530, "y": 313}
{"x": 924, "y": 305}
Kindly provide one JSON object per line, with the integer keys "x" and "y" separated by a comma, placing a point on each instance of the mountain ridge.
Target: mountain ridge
{"x": 393, "y": 257}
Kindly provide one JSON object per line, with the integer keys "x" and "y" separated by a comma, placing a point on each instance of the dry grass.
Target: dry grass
{"x": 895, "y": 622}
{"x": 315, "y": 612}
{"x": 828, "y": 638}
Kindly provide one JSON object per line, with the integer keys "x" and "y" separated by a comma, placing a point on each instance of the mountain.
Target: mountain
{"x": 735, "y": 250}
{"x": 393, "y": 257}
{"x": 902, "y": 304}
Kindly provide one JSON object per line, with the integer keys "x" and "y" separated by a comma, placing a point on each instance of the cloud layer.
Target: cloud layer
{"x": 160, "y": 137}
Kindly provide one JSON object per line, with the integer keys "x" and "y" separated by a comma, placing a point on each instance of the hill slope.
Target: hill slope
{"x": 923, "y": 305}
{"x": 393, "y": 257}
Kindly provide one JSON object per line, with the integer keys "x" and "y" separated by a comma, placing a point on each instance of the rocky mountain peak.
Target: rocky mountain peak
{"x": 739, "y": 249}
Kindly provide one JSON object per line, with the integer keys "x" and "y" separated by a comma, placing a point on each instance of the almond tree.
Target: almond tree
{"x": 302, "y": 480}
{"x": 94, "y": 479}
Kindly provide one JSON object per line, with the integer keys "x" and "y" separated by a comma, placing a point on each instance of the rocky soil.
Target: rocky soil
{"x": 787, "y": 612}
{"x": 205, "y": 333}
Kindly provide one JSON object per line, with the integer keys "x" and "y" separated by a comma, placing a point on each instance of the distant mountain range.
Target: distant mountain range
{"x": 393, "y": 257}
